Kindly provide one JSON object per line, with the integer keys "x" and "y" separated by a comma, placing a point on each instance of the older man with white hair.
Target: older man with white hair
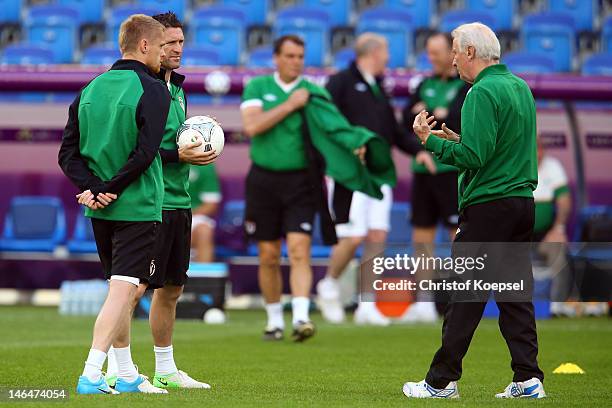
{"x": 496, "y": 154}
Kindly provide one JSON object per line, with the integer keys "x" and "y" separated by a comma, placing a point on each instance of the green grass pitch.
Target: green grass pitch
{"x": 343, "y": 366}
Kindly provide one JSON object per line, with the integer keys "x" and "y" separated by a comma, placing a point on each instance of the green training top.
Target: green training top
{"x": 436, "y": 92}
{"x": 111, "y": 141}
{"x": 204, "y": 185}
{"x": 497, "y": 154}
{"x": 176, "y": 174}
{"x": 279, "y": 148}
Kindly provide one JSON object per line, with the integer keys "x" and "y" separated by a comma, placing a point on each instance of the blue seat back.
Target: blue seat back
{"x": 338, "y": 10}
{"x": 606, "y": 35}
{"x": 587, "y": 214}
{"x": 422, "y": 62}
{"x": 551, "y": 34}
{"x": 27, "y": 54}
{"x": 90, "y": 11}
{"x": 421, "y": 11}
{"x": 311, "y": 25}
{"x": 454, "y": 19}
{"x": 83, "y": 230}
{"x": 583, "y": 11}
{"x": 598, "y": 64}
{"x": 529, "y": 62}
{"x": 35, "y": 218}
{"x": 178, "y": 7}
{"x": 10, "y": 11}
{"x": 501, "y": 10}
{"x": 101, "y": 55}
{"x": 343, "y": 58}
{"x": 119, "y": 14}
{"x": 401, "y": 229}
{"x": 262, "y": 57}
{"x": 200, "y": 56}
{"x": 55, "y": 27}
{"x": 256, "y": 11}
{"x": 396, "y": 26}
{"x": 221, "y": 28}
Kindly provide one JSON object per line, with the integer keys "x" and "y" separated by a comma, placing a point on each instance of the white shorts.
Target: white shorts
{"x": 367, "y": 213}
{"x": 200, "y": 219}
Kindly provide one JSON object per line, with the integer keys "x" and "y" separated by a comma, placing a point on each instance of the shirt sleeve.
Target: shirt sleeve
{"x": 151, "y": 117}
{"x": 71, "y": 162}
{"x": 251, "y": 96}
{"x": 478, "y": 136}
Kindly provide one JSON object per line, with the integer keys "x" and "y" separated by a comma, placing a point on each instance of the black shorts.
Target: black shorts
{"x": 435, "y": 198}
{"x": 172, "y": 249}
{"x": 278, "y": 203}
{"x": 126, "y": 248}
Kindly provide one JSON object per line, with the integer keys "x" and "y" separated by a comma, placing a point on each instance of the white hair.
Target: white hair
{"x": 479, "y": 36}
{"x": 368, "y": 42}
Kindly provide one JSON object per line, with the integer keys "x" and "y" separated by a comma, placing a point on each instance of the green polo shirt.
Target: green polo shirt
{"x": 497, "y": 154}
{"x": 279, "y": 148}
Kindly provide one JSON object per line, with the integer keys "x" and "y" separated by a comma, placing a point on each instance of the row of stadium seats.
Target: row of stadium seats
{"x": 501, "y": 14}
{"x": 220, "y": 32}
{"x": 38, "y": 224}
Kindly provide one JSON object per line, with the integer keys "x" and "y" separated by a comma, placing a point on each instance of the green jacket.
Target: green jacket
{"x": 497, "y": 153}
{"x": 336, "y": 139}
{"x": 111, "y": 141}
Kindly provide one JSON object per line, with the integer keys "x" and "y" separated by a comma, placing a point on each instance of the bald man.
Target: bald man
{"x": 359, "y": 94}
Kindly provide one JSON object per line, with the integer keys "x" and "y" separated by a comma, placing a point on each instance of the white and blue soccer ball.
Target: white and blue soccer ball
{"x": 202, "y": 128}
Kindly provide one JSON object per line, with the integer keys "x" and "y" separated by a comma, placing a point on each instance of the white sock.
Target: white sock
{"x": 164, "y": 360}
{"x": 275, "y": 315}
{"x": 126, "y": 368}
{"x": 111, "y": 363}
{"x": 300, "y": 307}
{"x": 93, "y": 365}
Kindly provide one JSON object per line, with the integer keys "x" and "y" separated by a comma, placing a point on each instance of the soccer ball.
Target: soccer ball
{"x": 214, "y": 316}
{"x": 217, "y": 83}
{"x": 202, "y": 128}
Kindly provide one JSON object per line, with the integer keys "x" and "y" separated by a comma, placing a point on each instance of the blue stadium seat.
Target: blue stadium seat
{"x": 401, "y": 229}
{"x": 421, "y": 11}
{"x": 56, "y": 27}
{"x": 262, "y": 57}
{"x": 34, "y": 224}
{"x": 256, "y": 10}
{"x": 311, "y": 25}
{"x": 606, "y": 35}
{"x": 338, "y": 10}
{"x": 598, "y": 64}
{"x": 422, "y": 62}
{"x": 583, "y": 11}
{"x": 529, "y": 62}
{"x": 101, "y": 55}
{"x": 200, "y": 56}
{"x": 90, "y": 11}
{"x": 231, "y": 225}
{"x": 454, "y": 19}
{"x": 396, "y": 26}
{"x": 27, "y": 54}
{"x": 552, "y": 34}
{"x": 501, "y": 10}
{"x": 222, "y": 28}
{"x": 178, "y": 7}
{"x": 82, "y": 240}
{"x": 10, "y": 11}
{"x": 343, "y": 58}
{"x": 591, "y": 218}
{"x": 119, "y": 14}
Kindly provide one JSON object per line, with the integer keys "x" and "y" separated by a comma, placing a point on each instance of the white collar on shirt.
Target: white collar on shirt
{"x": 367, "y": 76}
{"x": 284, "y": 86}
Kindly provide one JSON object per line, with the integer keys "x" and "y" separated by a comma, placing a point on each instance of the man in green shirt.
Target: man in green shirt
{"x": 279, "y": 195}
{"x": 110, "y": 151}
{"x": 205, "y": 193}
{"x": 173, "y": 244}
{"x": 434, "y": 185}
{"x": 496, "y": 154}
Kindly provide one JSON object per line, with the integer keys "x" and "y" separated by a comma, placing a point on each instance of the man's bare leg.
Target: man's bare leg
{"x": 271, "y": 284}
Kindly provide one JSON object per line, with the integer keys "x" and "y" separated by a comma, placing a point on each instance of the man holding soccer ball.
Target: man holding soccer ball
{"x": 173, "y": 243}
